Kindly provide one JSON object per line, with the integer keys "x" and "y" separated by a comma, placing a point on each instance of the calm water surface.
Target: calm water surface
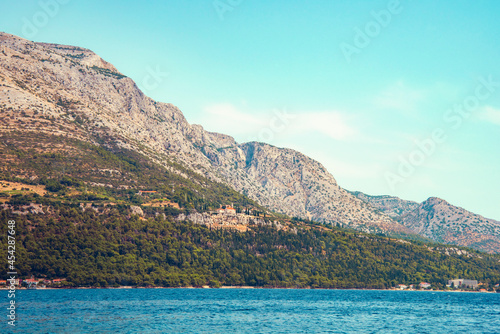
{"x": 252, "y": 311}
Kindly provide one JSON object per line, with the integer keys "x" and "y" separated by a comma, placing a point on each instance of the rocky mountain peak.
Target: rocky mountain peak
{"x": 440, "y": 221}
{"x": 435, "y": 201}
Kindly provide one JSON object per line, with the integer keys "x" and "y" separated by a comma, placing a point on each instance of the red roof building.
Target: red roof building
{"x": 230, "y": 209}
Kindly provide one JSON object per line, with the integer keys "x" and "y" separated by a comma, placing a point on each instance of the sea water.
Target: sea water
{"x": 252, "y": 311}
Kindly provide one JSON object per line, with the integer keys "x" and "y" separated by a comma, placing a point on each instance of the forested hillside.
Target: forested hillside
{"x": 74, "y": 171}
{"x": 109, "y": 247}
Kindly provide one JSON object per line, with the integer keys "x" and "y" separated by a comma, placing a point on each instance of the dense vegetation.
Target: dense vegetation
{"x": 110, "y": 247}
{"x": 117, "y": 174}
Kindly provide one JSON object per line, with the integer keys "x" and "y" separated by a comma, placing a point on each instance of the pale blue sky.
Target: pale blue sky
{"x": 356, "y": 102}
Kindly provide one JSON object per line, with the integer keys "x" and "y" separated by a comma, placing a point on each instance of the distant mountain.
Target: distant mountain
{"x": 440, "y": 221}
{"x": 392, "y": 206}
{"x": 70, "y": 92}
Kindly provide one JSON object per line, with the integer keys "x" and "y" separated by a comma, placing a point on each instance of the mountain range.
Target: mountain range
{"x": 440, "y": 221}
{"x": 59, "y": 101}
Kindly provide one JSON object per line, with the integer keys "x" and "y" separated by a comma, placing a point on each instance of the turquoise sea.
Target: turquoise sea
{"x": 252, "y": 311}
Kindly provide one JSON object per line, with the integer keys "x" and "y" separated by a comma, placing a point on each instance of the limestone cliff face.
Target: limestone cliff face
{"x": 290, "y": 182}
{"x": 73, "y": 92}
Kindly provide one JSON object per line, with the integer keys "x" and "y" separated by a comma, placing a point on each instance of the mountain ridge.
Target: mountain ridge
{"x": 71, "y": 92}
{"x": 440, "y": 221}
{"x": 84, "y": 97}
{"x": 443, "y": 222}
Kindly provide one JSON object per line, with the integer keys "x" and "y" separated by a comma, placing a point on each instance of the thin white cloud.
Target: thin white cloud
{"x": 268, "y": 125}
{"x": 346, "y": 170}
{"x": 490, "y": 114}
{"x": 227, "y": 115}
{"x": 332, "y": 124}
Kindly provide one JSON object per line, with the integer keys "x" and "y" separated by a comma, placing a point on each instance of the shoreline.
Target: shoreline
{"x": 242, "y": 287}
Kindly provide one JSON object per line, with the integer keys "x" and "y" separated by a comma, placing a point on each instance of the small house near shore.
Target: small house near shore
{"x": 424, "y": 285}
